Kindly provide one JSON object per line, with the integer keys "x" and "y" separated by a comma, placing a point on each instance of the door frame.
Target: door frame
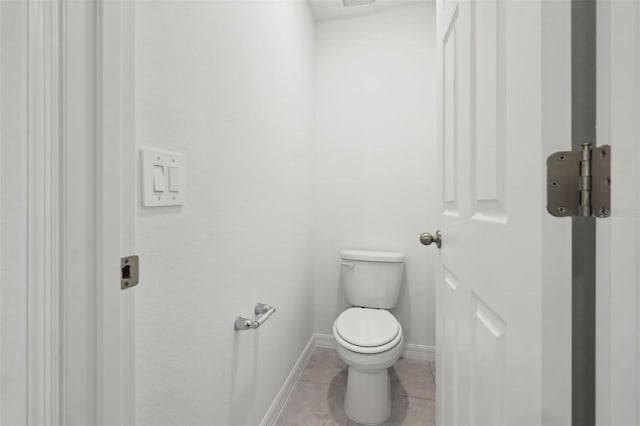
{"x": 116, "y": 197}
{"x": 618, "y": 238}
{"x": 44, "y": 237}
{"x": 54, "y": 208}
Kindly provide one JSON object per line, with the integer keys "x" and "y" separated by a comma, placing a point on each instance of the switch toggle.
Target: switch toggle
{"x": 158, "y": 179}
{"x": 174, "y": 179}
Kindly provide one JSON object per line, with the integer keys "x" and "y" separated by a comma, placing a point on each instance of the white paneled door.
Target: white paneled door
{"x": 503, "y": 296}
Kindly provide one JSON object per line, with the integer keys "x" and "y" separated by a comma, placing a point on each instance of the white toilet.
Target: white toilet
{"x": 369, "y": 338}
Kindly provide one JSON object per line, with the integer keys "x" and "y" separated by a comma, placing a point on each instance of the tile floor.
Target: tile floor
{"x": 317, "y": 399}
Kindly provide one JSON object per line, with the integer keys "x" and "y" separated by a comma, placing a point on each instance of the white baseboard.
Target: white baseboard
{"x": 318, "y": 340}
{"x": 411, "y": 350}
{"x": 420, "y": 352}
{"x": 324, "y": 340}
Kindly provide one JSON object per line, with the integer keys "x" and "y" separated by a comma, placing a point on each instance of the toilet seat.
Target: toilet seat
{"x": 367, "y": 331}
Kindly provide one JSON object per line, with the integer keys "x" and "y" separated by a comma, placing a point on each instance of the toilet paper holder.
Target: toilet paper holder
{"x": 263, "y": 312}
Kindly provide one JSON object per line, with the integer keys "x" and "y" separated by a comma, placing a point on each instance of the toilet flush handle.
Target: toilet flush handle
{"x": 348, "y": 265}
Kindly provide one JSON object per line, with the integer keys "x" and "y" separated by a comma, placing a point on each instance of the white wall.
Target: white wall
{"x": 374, "y": 155}
{"x": 229, "y": 84}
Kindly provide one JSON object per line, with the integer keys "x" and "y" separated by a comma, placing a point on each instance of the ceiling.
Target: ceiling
{"x": 332, "y": 9}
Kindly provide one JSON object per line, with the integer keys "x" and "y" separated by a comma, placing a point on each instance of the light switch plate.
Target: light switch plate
{"x": 152, "y": 158}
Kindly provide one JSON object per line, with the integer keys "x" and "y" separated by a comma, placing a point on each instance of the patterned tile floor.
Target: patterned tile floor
{"x": 317, "y": 399}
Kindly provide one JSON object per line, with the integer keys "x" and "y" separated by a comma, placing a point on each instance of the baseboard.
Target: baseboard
{"x": 319, "y": 340}
{"x": 420, "y": 352}
{"x": 411, "y": 350}
{"x": 286, "y": 390}
{"x": 324, "y": 341}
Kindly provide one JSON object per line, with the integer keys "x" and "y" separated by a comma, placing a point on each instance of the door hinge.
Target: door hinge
{"x": 579, "y": 182}
{"x": 129, "y": 271}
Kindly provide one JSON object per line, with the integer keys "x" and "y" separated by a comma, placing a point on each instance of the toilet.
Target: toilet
{"x": 369, "y": 338}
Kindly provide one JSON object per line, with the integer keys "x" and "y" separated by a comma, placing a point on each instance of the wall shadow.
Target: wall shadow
{"x": 244, "y": 369}
{"x": 341, "y": 298}
{"x": 402, "y": 312}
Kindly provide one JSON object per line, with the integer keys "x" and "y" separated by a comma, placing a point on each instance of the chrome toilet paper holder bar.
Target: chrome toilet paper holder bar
{"x": 263, "y": 312}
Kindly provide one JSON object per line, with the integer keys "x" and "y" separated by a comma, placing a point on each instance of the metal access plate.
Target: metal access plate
{"x": 563, "y": 175}
{"x": 130, "y": 271}
{"x": 601, "y": 181}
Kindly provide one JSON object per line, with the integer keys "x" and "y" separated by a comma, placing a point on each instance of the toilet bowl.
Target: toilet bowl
{"x": 369, "y": 341}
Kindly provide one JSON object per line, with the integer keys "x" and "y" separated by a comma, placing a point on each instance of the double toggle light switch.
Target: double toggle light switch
{"x": 162, "y": 178}
{"x": 166, "y": 179}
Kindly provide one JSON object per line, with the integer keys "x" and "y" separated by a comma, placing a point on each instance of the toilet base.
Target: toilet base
{"x": 368, "y": 397}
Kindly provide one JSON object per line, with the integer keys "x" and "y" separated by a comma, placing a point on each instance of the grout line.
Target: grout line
{"x": 321, "y": 383}
{"x": 413, "y": 397}
{"x": 433, "y": 379}
{"x": 433, "y": 375}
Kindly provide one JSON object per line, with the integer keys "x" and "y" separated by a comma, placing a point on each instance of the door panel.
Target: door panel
{"x": 487, "y": 365}
{"x": 450, "y": 109}
{"x": 488, "y": 145}
{"x": 449, "y": 338}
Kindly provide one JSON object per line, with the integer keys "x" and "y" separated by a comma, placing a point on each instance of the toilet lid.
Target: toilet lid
{"x": 367, "y": 327}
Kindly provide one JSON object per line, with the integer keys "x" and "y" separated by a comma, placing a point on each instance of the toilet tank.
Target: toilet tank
{"x": 372, "y": 279}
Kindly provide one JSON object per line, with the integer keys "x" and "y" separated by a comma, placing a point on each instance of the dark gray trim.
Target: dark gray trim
{"x": 583, "y": 104}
